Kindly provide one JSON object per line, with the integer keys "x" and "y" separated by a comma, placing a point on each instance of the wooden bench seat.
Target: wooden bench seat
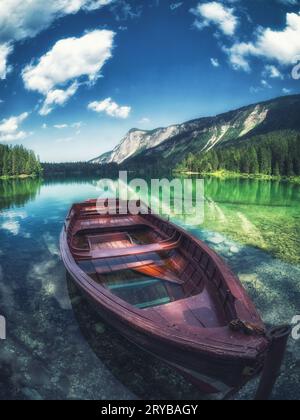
{"x": 107, "y": 223}
{"x": 134, "y": 250}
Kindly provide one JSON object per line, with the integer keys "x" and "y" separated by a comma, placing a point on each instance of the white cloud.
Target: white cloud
{"x": 22, "y": 19}
{"x": 111, "y": 108}
{"x": 286, "y": 91}
{"x": 215, "y": 13}
{"x": 9, "y": 128}
{"x": 273, "y": 72}
{"x": 175, "y": 6}
{"x": 215, "y": 62}
{"x": 145, "y": 121}
{"x": 265, "y": 84}
{"x": 280, "y": 46}
{"x": 237, "y": 54}
{"x": 76, "y": 125}
{"x": 5, "y": 50}
{"x": 70, "y": 59}
{"x": 123, "y": 10}
{"x": 61, "y": 126}
{"x": 57, "y": 97}
{"x": 94, "y": 4}
{"x": 20, "y": 135}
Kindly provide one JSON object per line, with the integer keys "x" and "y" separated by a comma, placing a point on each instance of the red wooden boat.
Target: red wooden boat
{"x": 167, "y": 292}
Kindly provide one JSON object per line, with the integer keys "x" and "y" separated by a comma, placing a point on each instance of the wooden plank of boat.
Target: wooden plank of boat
{"x": 159, "y": 272}
{"x": 136, "y": 250}
{"x": 105, "y": 222}
{"x": 189, "y": 309}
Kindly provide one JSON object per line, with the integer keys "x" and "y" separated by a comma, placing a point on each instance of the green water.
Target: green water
{"x": 57, "y": 347}
{"x": 258, "y": 213}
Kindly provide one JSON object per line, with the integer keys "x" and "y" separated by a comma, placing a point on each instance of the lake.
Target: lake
{"x": 57, "y": 348}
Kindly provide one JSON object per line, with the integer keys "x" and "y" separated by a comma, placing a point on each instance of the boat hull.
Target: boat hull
{"x": 217, "y": 359}
{"x": 210, "y": 374}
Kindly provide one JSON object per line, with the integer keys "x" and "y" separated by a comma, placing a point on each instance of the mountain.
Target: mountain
{"x": 172, "y": 144}
{"x": 137, "y": 141}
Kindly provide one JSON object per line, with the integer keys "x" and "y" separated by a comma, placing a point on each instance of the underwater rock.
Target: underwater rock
{"x": 234, "y": 249}
{"x": 31, "y": 394}
{"x": 38, "y": 373}
{"x": 216, "y": 239}
{"x": 99, "y": 328}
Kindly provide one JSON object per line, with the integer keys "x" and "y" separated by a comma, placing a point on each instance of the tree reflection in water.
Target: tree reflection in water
{"x": 18, "y": 192}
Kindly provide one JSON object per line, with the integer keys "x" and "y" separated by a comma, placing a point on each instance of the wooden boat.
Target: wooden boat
{"x": 167, "y": 292}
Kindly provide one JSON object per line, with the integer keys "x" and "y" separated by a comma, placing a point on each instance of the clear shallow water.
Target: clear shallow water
{"x": 58, "y": 348}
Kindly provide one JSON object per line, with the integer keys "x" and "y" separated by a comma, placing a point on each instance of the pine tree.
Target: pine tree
{"x": 276, "y": 153}
{"x": 15, "y": 161}
{"x": 253, "y": 161}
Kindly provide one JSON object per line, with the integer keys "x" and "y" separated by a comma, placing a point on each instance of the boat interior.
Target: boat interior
{"x": 148, "y": 263}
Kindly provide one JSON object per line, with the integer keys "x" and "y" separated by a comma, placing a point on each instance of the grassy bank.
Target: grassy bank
{"x": 232, "y": 175}
{"x": 22, "y": 176}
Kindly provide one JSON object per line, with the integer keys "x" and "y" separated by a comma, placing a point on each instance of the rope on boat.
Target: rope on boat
{"x": 247, "y": 328}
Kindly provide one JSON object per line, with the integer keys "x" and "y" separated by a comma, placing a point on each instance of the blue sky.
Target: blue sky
{"x": 76, "y": 75}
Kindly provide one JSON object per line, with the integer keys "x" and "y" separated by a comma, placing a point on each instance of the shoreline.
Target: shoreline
{"x": 218, "y": 174}
{"x": 235, "y": 175}
{"x": 7, "y": 177}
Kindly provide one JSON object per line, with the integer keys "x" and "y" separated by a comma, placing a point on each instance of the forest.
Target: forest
{"x": 17, "y": 161}
{"x": 73, "y": 169}
{"x": 273, "y": 154}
